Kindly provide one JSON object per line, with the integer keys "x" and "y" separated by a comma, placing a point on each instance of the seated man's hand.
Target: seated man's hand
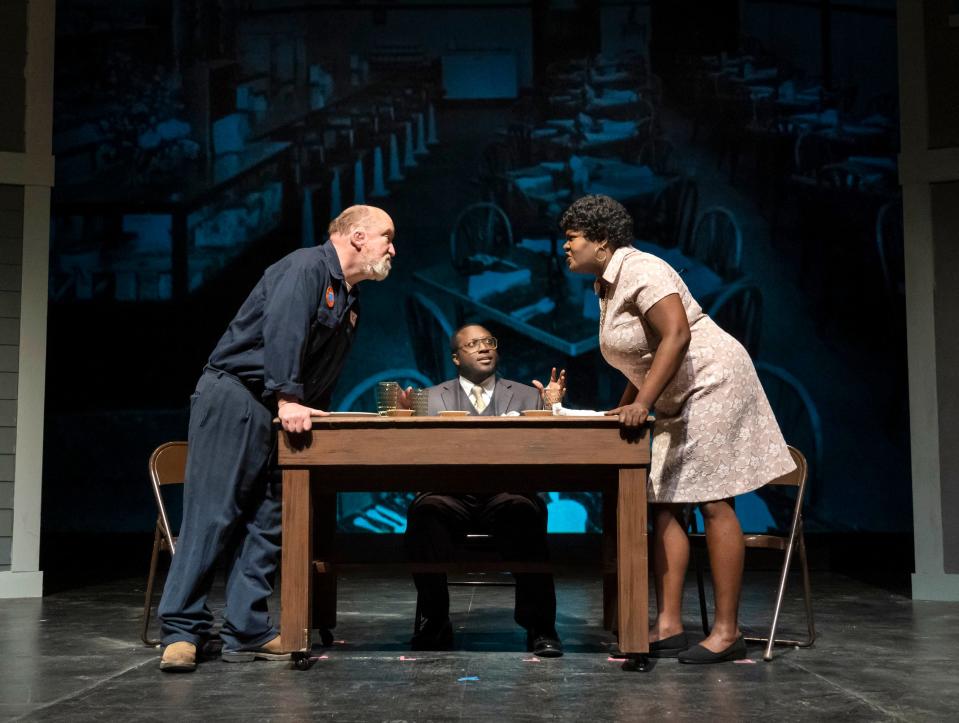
{"x": 403, "y": 399}
{"x": 555, "y": 390}
{"x": 295, "y": 417}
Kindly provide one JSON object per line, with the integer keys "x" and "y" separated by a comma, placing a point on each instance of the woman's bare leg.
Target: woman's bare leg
{"x": 724, "y": 540}
{"x": 670, "y": 559}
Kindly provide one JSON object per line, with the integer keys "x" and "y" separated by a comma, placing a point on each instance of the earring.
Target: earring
{"x": 605, "y": 254}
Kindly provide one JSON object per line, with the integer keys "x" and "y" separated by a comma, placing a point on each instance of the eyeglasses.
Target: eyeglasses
{"x": 487, "y": 341}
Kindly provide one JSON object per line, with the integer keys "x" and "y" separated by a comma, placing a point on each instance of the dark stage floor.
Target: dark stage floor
{"x": 75, "y": 656}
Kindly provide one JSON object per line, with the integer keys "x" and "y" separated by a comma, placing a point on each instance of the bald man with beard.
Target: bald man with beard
{"x": 280, "y": 357}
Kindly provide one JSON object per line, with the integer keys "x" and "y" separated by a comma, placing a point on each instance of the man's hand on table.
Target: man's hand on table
{"x": 295, "y": 417}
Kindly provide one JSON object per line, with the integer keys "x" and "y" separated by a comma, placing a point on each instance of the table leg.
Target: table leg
{"x": 297, "y": 575}
{"x": 610, "y": 583}
{"x": 631, "y": 562}
{"x": 324, "y": 580}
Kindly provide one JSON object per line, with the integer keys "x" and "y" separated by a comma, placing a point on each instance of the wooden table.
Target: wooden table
{"x": 442, "y": 454}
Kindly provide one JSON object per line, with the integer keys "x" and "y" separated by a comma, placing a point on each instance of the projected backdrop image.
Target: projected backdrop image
{"x": 198, "y": 142}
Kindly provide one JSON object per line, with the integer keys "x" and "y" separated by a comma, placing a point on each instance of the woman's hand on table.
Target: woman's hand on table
{"x": 296, "y": 417}
{"x": 630, "y": 415}
{"x": 555, "y": 390}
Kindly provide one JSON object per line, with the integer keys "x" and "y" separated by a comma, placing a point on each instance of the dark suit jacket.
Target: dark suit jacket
{"x": 508, "y": 396}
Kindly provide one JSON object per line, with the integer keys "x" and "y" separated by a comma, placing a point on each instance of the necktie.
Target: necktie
{"x": 477, "y": 392}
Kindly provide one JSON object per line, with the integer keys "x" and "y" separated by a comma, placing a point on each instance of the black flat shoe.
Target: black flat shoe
{"x": 669, "y": 647}
{"x": 544, "y": 645}
{"x": 700, "y": 655}
{"x": 434, "y": 635}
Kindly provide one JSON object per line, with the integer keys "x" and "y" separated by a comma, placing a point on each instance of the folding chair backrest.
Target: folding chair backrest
{"x": 785, "y": 508}
{"x": 796, "y": 478}
{"x": 167, "y": 466}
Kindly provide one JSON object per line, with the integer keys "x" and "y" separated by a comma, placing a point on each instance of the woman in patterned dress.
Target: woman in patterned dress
{"x": 714, "y": 434}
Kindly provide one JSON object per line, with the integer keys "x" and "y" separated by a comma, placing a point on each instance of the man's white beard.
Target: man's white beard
{"x": 381, "y": 269}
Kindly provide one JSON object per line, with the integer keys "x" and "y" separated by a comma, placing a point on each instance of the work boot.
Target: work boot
{"x": 179, "y": 657}
{"x": 271, "y": 650}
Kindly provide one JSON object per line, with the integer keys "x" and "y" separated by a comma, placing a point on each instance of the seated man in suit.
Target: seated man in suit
{"x": 517, "y": 522}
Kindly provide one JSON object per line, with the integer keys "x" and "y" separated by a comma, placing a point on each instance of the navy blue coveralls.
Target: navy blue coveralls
{"x": 291, "y": 336}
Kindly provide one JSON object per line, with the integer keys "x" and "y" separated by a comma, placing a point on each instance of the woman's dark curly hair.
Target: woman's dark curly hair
{"x": 599, "y": 218}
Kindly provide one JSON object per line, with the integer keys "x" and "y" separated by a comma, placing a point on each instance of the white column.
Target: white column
{"x": 33, "y": 170}
{"x": 919, "y": 168}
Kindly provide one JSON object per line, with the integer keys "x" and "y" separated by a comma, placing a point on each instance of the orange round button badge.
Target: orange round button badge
{"x": 330, "y": 297}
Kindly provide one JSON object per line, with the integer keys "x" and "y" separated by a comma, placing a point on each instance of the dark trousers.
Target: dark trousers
{"x": 231, "y": 510}
{"x": 517, "y": 524}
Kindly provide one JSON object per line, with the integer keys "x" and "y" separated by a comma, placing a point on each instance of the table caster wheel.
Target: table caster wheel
{"x": 326, "y": 637}
{"x": 637, "y": 663}
{"x": 302, "y": 660}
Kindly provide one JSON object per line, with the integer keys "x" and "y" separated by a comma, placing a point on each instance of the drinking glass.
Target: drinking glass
{"x": 387, "y": 394}
{"x": 420, "y": 402}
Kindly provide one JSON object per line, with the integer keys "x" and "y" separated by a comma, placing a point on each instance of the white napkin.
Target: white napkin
{"x": 560, "y": 411}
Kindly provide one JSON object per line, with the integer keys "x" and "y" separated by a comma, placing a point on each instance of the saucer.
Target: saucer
{"x": 453, "y": 413}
